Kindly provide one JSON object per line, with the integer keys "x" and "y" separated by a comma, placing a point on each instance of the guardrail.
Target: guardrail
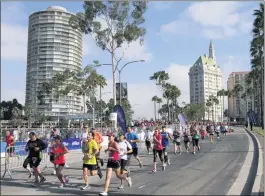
{"x": 15, "y": 157}
{"x": 15, "y": 161}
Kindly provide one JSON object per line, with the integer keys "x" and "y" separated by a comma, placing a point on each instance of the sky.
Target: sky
{"x": 177, "y": 34}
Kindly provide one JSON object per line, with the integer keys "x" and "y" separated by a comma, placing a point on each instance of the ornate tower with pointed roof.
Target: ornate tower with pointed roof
{"x": 205, "y": 78}
{"x": 211, "y": 51}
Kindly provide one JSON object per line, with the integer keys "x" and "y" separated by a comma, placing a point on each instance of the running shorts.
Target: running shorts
{"x": 195, "y": 142}
{"x": 114, "y": 164}
{"x": 147, "y": 143}
{"x": 186, "y": 144}
{"x": 51, "y": 157}
{"x": 26, "y": 162}
{"x": 90, "y": 167}
{"x": 134, "y": 152}
{"x": 34, "y": 161}
{"x": 10, "y": 150}
{"x": 123, "y": 165}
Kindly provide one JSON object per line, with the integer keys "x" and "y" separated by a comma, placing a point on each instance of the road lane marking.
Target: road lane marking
{"x": 141, "y": 186}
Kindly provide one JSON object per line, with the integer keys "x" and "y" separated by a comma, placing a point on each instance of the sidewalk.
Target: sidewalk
{"x": 261, "y": 141}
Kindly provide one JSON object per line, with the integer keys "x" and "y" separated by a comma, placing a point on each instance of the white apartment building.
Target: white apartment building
{"x": 238, "y": 107}
{"x": 205, "y": 78}
{"x": 53, "y": 46}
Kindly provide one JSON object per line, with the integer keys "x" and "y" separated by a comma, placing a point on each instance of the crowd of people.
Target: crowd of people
{"x": 122, "y": 146}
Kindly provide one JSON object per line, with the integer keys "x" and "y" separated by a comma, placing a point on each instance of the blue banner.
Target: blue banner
{"x": 71, "y": 144}
{"x": 120, "y": 117}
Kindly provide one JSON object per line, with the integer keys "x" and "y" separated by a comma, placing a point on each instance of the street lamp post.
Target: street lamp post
{"x": 120, "y": 70}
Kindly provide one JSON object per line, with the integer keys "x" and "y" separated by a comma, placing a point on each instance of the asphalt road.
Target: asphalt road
{"x": 211, "y": 171}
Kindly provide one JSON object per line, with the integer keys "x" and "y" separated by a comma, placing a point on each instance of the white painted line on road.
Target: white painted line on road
{"x": 241, "y": 180}
{"x": 141, "y": 186}
{"x": 257, "y": 182}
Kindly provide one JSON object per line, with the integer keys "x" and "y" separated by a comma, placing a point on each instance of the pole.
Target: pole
{"x": 120, "y": 85}
{"x": 100, "y": 108}
{"x": 93, "y": 114}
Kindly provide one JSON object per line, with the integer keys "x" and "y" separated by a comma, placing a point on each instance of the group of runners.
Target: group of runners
{"x": 121, "y": 148}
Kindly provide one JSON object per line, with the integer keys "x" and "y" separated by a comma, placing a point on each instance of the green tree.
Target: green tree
{"x": 154, "y": 99}
{"x": 208, "y": 106}
{"x": 159, "y": 101}
{"x": 83, "y": 82}
{"x": 222, "y": 93}
{"x": 121, "y": 23}
{"x": 160, "y": 78}
{"x": 163, "y": 111}
{"x": 11, "y": 109}
{"x": 257, "y": 61}
{"x": 238, "y": 88}
{"x": 194, "y": 111}
{"x": 212, "y": 102}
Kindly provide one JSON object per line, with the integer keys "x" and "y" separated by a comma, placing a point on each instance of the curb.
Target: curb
{"x": 257, "y": 182}
{"x": 242, "y": 182}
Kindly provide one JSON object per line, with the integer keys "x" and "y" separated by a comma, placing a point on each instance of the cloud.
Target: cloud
{"x": 140, "y": 95}
{"x": 14, "y": 42}
{"x": 178, "y": 75}
{"x": 215, "y": 20}
{"x": 89, "y": 46}
{"x": 134, "y": 51}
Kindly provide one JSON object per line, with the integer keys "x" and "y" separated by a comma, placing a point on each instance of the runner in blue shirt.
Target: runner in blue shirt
{"x": 132, "y": 138}
{"x": 165, "y": 143}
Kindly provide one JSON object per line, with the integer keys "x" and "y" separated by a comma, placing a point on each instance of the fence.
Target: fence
{"x": 15, "y": 160}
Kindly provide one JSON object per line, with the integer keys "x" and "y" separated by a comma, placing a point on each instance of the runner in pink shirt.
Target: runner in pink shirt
{"x": 59, "y": 151}
{"x": 158, "y": 148}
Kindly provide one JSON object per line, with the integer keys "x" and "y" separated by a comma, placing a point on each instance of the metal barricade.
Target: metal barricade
{"x": 15, "y": 157}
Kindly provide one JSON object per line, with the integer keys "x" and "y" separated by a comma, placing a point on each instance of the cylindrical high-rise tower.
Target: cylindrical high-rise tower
{"x": 53, "y": 45}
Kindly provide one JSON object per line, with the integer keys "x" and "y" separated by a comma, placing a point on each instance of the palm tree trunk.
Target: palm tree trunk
{"x": 155, "y": 109}
{"x": 158, "y": 112}
{"x": 84, "y": 102}
{"x": 212, "y": 113}
{"x": 223, "y": 107}
{"x": 168, "y": 115}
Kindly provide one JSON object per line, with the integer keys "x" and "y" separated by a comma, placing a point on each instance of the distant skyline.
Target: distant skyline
{"x": 177, "y": 34}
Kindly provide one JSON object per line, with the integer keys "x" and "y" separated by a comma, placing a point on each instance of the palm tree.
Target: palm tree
{"x": 175, "y": 93}
{"x": 256, "y": 51}
{"x": 228, "y": 94}
{"x": 154, "y": 99}
{"x": 159, "y": 101}
{"x": 160, "y": 77}
{"x": 208, "y": 105}
{"x": 222, "y": 93}
{"x": 238, "y": 88}
{"x": 212, "y": 101}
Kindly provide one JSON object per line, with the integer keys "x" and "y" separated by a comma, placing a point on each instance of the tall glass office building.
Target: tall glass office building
{"x": 53, "y": 46}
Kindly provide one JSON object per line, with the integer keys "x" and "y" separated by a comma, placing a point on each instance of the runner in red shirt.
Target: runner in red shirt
{"x": 59, "y": 151}
{"x": 158, "y": 148}
{"x": 10, "y": 142}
